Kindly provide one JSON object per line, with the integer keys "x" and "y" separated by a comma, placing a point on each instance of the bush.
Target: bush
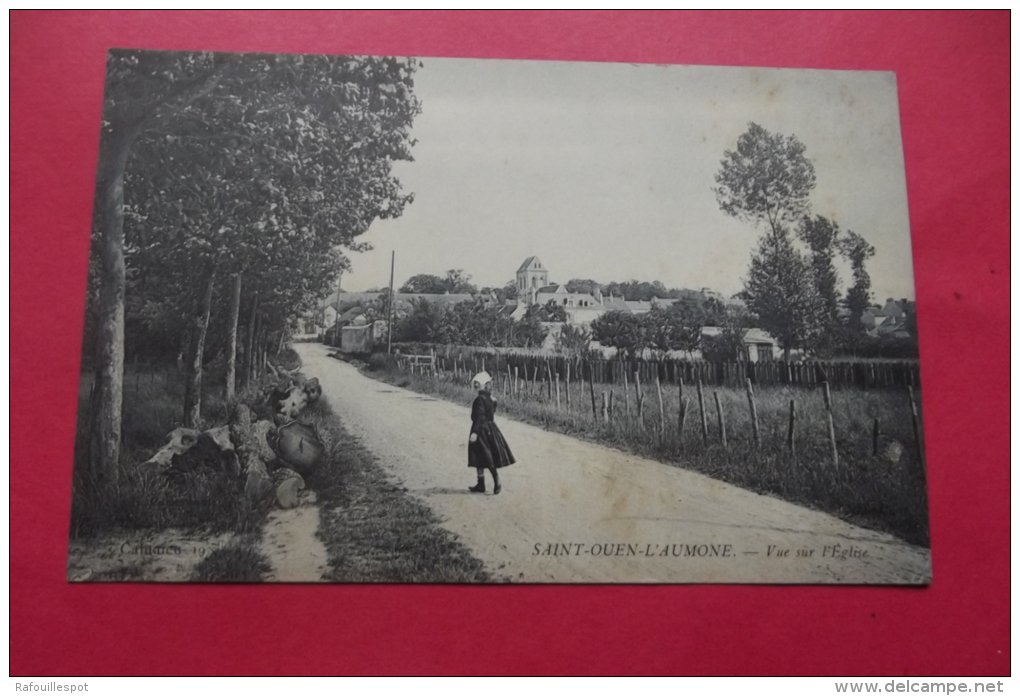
{"x": 381, "y": 361}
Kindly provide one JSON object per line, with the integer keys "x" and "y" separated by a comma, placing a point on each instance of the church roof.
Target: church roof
{"x": 528, "y": 263}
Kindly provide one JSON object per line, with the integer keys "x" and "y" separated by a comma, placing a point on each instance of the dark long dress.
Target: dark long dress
{"x": 490, "y": 449}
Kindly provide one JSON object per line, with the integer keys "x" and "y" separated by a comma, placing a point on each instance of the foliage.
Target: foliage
{"x": 621, "y": 330}
{"x": 675, "y": 328}
{"x": 583, "y": 285}
{"x": 424, "y": 283}
{"x": 733, "y": 322}
{"x": 635, "y": 290}
{"x": 503, "y": 293}
{"x": 424, "y": 322}
{"x": 779, "y": 290}
{"x": 857, "y": 251}
{"x": 551, "y": 311}
{"x": 285, "y": 160}
{"x": 475, "y": 323}
{"x": 822, "y": 237}
{"x": 767, "y": 178}
{"x": 457, "y": 282}
{"x": 573, "y": 338}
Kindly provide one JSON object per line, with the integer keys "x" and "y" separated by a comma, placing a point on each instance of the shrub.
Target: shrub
{"x": 381, "y": 361}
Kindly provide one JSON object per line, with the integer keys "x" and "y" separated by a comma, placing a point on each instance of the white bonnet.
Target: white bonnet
{"x": 481, "y": 380}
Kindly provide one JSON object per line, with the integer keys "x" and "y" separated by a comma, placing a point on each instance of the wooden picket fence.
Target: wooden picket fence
{"x": 616, "y": 371}
{"x": 552, "y": 379}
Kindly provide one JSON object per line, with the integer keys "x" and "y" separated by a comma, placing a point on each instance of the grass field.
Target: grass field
{"x": 872, "y": 491}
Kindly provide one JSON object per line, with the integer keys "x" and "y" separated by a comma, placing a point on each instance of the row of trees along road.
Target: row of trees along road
{"x": 767, "y": 181}
{"x": 232, "y": 182}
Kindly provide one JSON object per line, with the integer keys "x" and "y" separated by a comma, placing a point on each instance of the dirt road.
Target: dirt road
{"x": 573, "y": 511}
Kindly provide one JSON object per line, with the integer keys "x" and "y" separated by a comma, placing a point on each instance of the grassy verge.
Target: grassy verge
{"x": 869, "y": 491}
{"x": 199, "y": 500}
{"x": 239, "y": 561}
{"x": 373, "y": 530}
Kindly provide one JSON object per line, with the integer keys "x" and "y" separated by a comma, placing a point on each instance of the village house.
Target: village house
{"x": 533, "y": 288}
{"x": 889, "y": 319}
{"x": 582, "y": 308}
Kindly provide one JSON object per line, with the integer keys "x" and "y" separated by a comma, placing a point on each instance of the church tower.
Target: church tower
{"x": 531, "y": 276}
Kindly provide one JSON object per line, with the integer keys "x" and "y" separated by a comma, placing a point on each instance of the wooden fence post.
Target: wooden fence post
{"x": 626, "y": 394}
{"x": 791, "y": 431}
{"x": 662, "y": 411}
{"x": 557, "y": 391}
{"x": 704, "y": 416}
{"x": 549, "y": 379}
{"x": 517, "y": 381}
{"x": 591, "y": 388}
{"x": 915, "y": 422}
{"x": 640, "y": 399}
{"x": 828, "y": 422}
{"x": 722, "y": 419}
{"x": 567, "y": 383}
{"x": 611, "y": 407}
{"x": 681, "y": 416}
{"x": 605, "y": 408}
{"x": 754, "y": 411}
{"x": 683, "y": 419}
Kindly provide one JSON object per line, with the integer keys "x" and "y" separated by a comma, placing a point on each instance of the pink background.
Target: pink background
{"x": 953, "y": 75}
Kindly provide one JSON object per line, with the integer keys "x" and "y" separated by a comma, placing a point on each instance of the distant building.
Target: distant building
{"x": 888, "y": 320}
{"x": 531, "y": 276}
{"x": 758, "y": 345}
{"x": 583, "y": 308}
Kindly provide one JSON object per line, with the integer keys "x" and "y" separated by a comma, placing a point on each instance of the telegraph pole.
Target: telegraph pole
{"x": 389, "y": 323}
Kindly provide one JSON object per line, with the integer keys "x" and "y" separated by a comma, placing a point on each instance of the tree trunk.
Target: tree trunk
{"x": 249, "y": 341}
{"x": 108, "y": 394}
{"x": 263, "y": 351}
{"x": 193, "y": 380}
{"x": 235, "y": 311}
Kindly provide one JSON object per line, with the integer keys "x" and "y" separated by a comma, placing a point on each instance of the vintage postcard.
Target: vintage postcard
{"x": 377, "y": 319}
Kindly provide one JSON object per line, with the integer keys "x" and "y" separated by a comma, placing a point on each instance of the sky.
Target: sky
{"x": 605, "y": 171}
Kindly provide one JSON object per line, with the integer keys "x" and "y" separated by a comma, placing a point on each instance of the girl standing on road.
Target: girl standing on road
{"x": 487, "y": 448}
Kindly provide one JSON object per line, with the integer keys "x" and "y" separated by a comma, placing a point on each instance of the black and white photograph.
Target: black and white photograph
{"x": 364, "y": 319}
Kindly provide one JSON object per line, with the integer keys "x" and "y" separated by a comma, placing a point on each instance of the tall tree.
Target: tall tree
{"x": 780, "y": 290}
{"x": 821, "y": 236}
{"x": 857, "y": 251}
{"x": 263, "y": 164}
{"x": 767, "y": 181}
{"x": 140, "y": 86}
